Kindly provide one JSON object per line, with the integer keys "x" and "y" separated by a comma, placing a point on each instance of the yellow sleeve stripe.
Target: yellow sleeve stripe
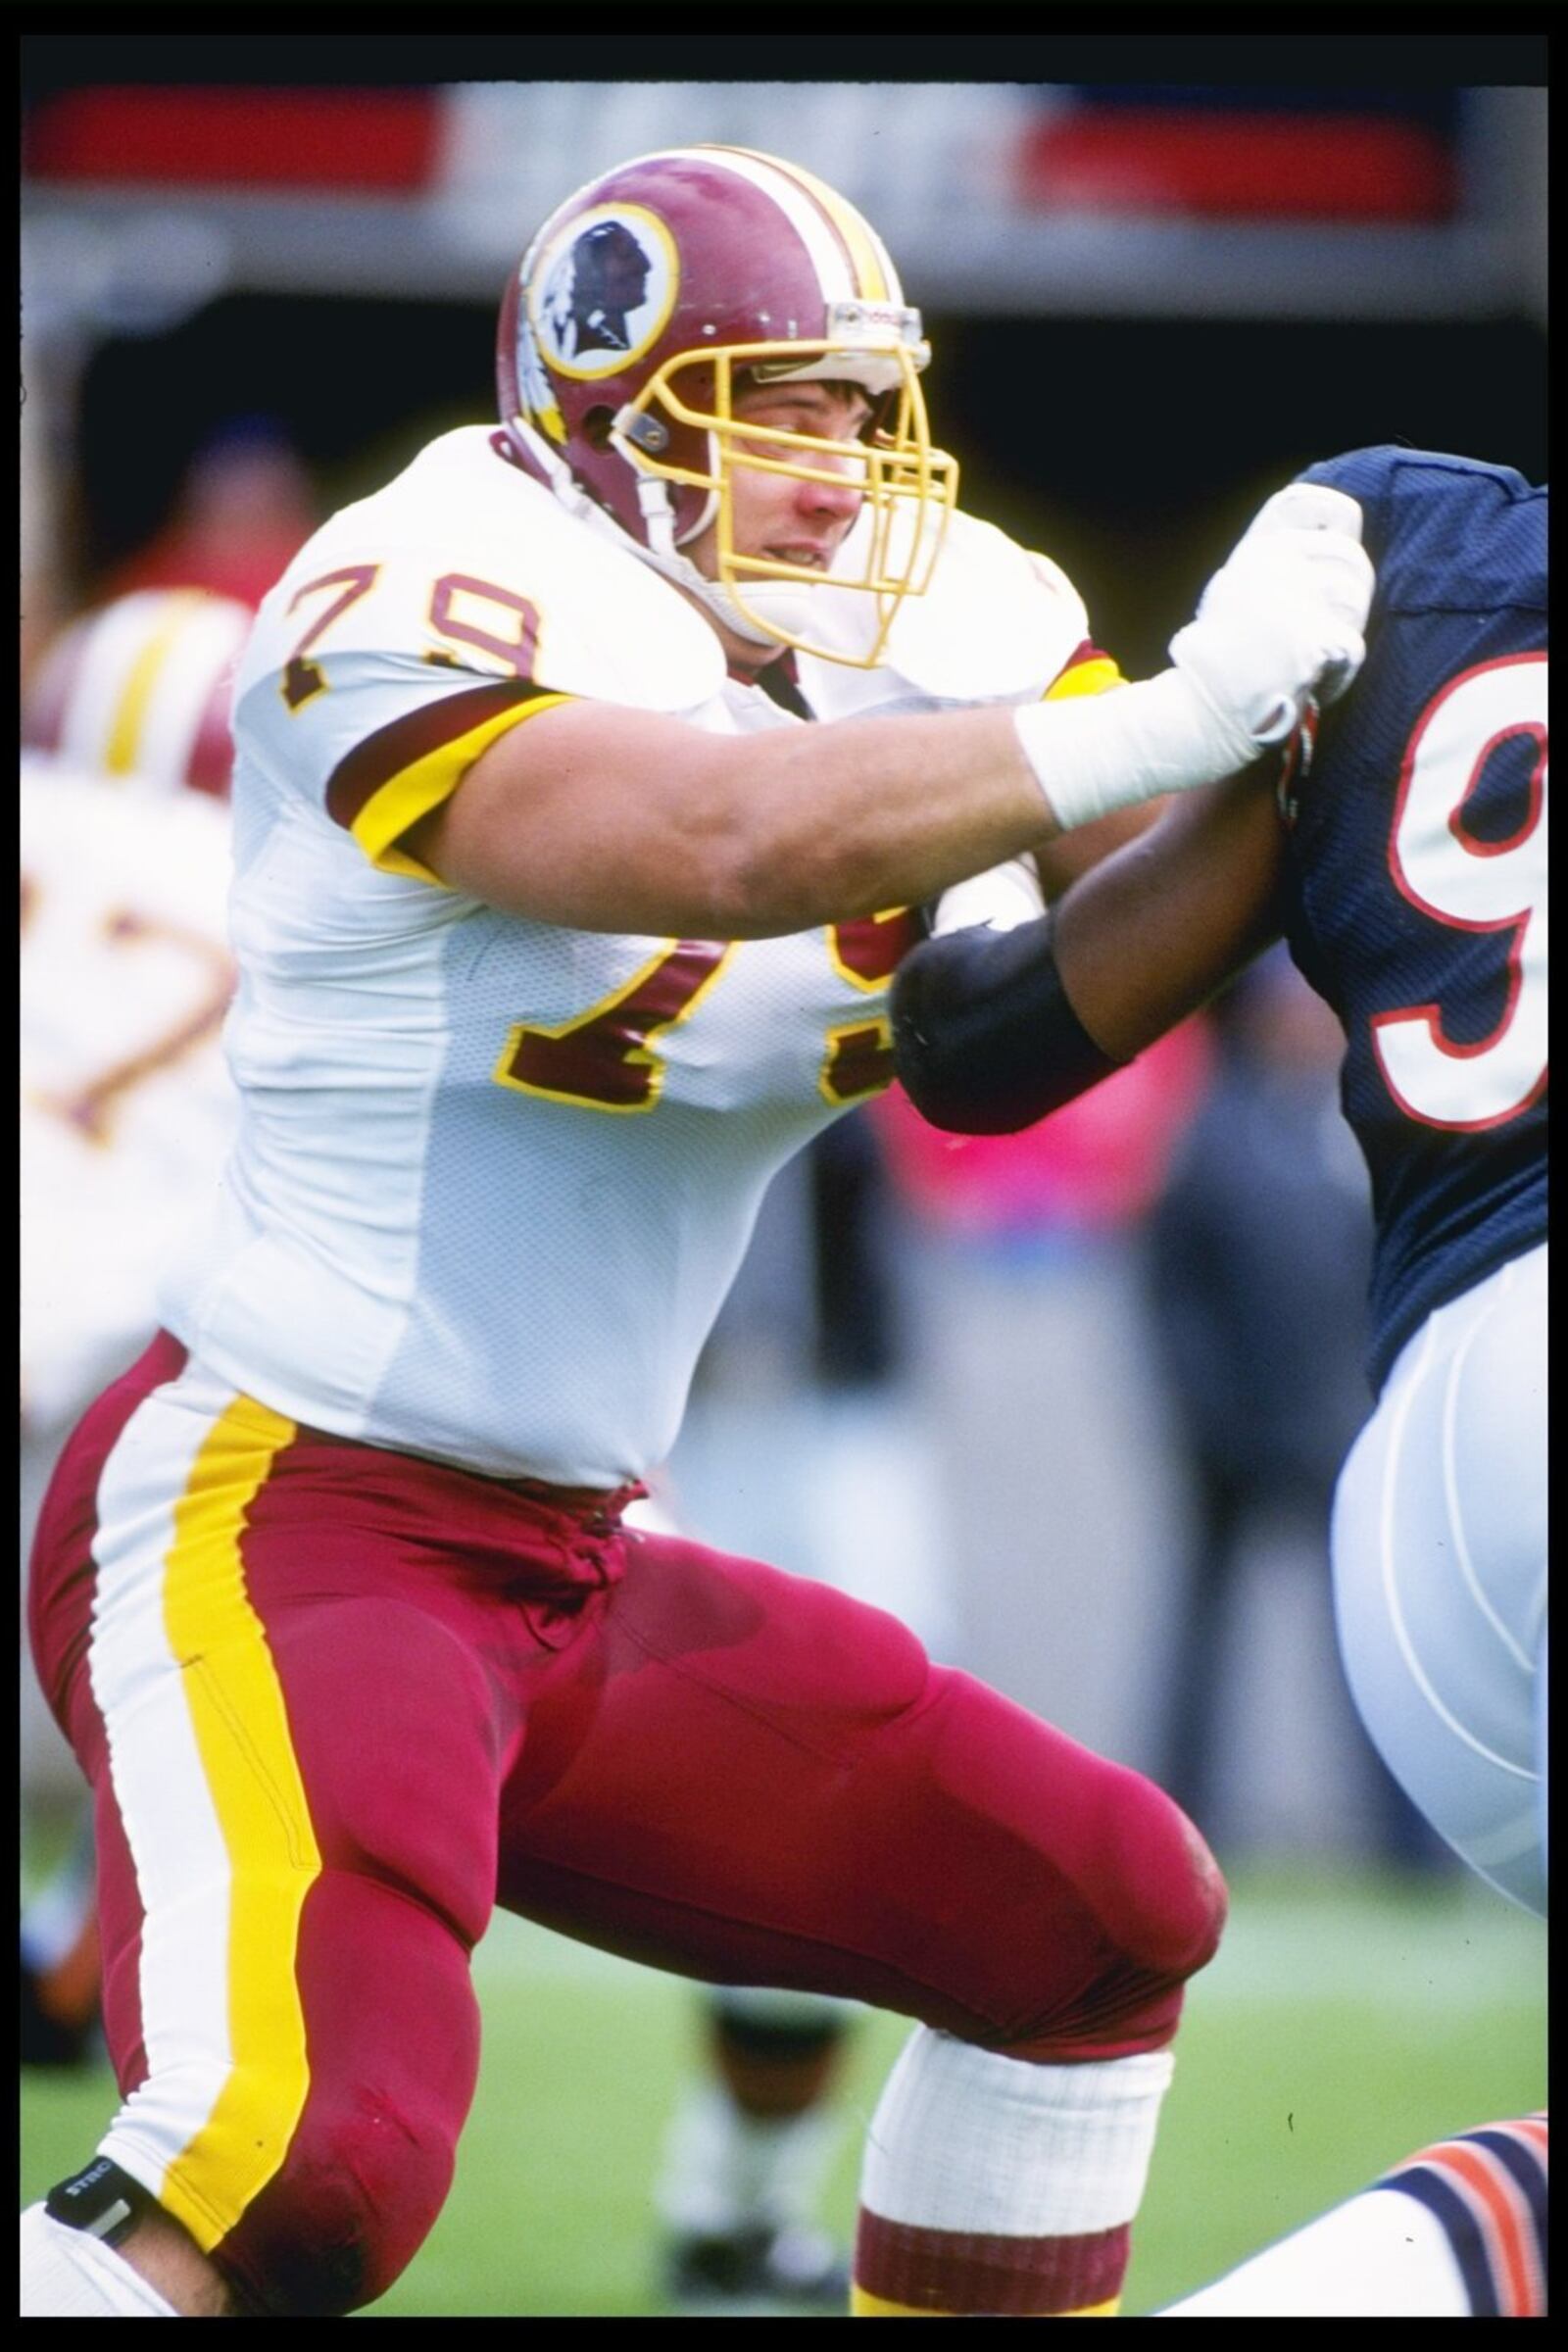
{"x": 416, "y": 790}
{"x": 1093, "y": 677}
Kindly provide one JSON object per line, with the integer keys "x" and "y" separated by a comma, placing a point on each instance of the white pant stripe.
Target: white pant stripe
{"x": 180, "y": 1858}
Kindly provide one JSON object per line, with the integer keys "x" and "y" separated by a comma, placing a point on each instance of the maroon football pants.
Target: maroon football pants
{"x": 490, "y": 1694}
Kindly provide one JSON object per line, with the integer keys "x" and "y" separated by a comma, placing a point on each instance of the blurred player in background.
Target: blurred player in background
{"x": 559, "y": 931}
{"x": 244, "y": 506}
{"x": 1410, "y": 878}
{"x": 127, "y": 1106}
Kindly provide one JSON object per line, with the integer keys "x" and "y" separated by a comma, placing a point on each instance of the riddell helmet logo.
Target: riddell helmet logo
{"x": 606, "y": 290}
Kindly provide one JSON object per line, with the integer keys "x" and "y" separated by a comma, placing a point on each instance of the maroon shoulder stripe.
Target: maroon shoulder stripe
{"x": 360, "y": 776}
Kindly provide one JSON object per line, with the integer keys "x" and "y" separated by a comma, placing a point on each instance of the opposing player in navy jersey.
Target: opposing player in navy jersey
{"x": 1405, "y": 862}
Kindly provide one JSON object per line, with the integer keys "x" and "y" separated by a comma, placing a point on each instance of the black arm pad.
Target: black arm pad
{"x": 985, "y": 1038}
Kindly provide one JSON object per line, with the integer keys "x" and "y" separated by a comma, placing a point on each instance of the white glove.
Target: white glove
{"x": 1280, "y": 623}
{"x": 1278, "y": 626}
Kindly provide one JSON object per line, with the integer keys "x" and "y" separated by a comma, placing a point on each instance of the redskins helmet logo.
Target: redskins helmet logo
{"x": 605, "y": 290}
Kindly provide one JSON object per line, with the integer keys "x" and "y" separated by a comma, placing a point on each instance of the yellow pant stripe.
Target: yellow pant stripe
{"x": 241, "y": 1727}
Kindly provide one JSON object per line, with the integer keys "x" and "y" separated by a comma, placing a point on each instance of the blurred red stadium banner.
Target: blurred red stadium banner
{"x": 1349, "y": 155}
{"x": 1202, "y": 153}
{"x": 384, "y": 141}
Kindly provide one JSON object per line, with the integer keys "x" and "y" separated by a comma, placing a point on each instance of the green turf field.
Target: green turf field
{"x": 1346, "y": 2021}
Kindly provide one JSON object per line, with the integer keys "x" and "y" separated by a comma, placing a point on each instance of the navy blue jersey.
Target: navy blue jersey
{"x": 1418, "y": 858}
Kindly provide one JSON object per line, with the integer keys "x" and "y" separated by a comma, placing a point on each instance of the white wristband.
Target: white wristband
{"x": 1094, "y": 753}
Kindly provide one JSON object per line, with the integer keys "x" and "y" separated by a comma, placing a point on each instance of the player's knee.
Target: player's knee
{"x": 1094, "y": 1897}
{"x": 1150, "y": 1907}
{"x": 1159, "y": 1884}
{"x": 357, "y": 2196}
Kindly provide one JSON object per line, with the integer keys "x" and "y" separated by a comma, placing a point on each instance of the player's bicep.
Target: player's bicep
{"x": 592, "y": 817}
{"x": 369, "y": 688}
{"x": 1152, "y": 931}
{"x": 389, "y": 779}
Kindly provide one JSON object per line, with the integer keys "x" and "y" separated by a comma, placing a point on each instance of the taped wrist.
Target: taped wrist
{"x": 985, "y": 1036}
{"x": 103, "y": 2201}
{"x": 1094, "y": 753}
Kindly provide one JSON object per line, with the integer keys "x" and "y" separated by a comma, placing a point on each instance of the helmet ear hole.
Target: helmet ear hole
{"x": 596, "y": 427}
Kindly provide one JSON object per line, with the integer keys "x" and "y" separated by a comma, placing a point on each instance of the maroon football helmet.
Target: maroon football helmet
{"x": 639, "y": 307}
{"x": 141, "y": 687}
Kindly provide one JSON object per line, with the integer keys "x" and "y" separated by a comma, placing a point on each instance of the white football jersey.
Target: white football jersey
{"x": 126, "y": 1106}
{"x": 494, "y": 1177}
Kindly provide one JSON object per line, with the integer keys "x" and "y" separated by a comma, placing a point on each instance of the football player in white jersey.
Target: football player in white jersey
{"x": 126, "y": 1107}
{"x": 557, "y": 932}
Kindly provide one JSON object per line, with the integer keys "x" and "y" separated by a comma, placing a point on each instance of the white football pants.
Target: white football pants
{"x": 1439, "y": 1574}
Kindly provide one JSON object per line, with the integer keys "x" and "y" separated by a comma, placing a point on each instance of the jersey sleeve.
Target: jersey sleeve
{"x": 419, "y": 626}
{"x": 1441, "y": 528}
{"x": 369, "y": 689}
{"x": 1086, "y": 669}
{"x": 415, "y": 759}
{"x": 1367, "y": 475}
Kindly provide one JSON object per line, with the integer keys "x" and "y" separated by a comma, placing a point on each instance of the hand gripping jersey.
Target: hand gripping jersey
{"x": 1419, "y": 866}
{"x": 126, "y": 1106}
{"x": 494, "y": 1177}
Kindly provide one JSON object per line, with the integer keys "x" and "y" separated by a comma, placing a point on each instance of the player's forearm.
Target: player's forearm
{"x": 1071, "y": 855}
{"x": 874, "y": 814}
{"x": 995, "y": 1029}
{"x": 607, "y": 820}
{"x": 1148, "y": 937}
{"x": 616, "y": 819}
{"x": 842, "y": 820}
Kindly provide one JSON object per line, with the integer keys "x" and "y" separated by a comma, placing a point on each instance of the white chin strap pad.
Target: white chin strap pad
{"x": 786, "y": 605}
{"x": 782, "y": 602}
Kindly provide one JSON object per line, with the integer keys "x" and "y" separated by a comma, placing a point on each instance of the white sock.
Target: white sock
{"x": 965, "y": 2139}
{"x": 724, "y": 2169}
{"x": 67, "y": 2275}
{"x": 1002, "y": 2188}
{"x": 1383, "y": 2256}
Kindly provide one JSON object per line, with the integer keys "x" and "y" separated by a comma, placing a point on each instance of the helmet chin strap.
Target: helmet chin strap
{"x": 559, "y": 474}
{"x": 782, "y": 601}
{"x": 717, "y": 600}
{"x": 786, "y": 601}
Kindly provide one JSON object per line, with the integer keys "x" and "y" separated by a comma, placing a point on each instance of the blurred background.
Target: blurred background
{"x": 1071, "y": 1402}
